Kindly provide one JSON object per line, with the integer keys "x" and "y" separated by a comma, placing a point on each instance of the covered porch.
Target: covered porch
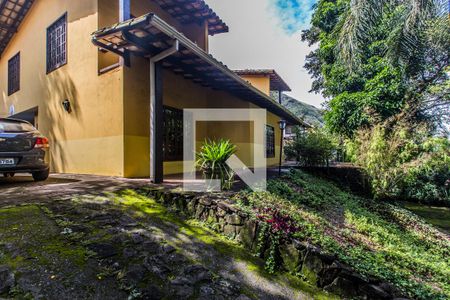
{"x": 177, "y": 74}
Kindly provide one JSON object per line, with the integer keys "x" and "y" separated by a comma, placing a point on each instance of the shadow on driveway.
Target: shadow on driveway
{"x": 23, "y": 190}
{"x": 27, "y": 181}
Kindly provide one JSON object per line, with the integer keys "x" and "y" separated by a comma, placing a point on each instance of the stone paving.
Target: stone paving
{"x": 22, "y": 189}
{"x": 132, "y": 250}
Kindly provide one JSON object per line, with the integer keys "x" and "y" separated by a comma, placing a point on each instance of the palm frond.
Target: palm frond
{"x": 407, "y": 34}
{"x": 363, "y": 14}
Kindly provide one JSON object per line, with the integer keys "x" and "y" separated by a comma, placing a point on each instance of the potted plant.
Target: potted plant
{"x": 212, "y": 161}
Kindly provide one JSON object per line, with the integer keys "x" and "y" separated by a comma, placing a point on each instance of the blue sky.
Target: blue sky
{"x": 266, "y": 34}
{"x": 293, "y": 15}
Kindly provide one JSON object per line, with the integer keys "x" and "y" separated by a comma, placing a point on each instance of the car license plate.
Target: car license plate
{"x": 6, "y": 161}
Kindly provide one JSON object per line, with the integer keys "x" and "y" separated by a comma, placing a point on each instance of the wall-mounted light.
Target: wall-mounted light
{"x": 67, "y": 106}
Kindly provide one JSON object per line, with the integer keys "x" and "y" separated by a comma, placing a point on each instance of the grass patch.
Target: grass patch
{"x": 375, "y": 238}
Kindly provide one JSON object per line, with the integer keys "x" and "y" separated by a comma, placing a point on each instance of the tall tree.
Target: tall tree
{"x": 377, "y": 58}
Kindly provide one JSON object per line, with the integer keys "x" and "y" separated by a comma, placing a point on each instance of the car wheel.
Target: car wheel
{"x": 9, "y": 174}
{"x": 41, "y": 175}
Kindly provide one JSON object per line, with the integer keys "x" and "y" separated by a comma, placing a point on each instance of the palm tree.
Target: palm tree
{"x": 413, "y": 18}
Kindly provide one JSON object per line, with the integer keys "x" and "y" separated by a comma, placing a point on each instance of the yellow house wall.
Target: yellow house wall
{"x": 179, "y": 92}
{"x": 136, "y": 116}
{"x": 136, "y": 91}
{"x": 107, "y": 131}
{"x": 272, "y": 120}
{"x": 261, "y": 82}
{"x": 90, "y": 139}
{"x": 182, "y": 93}
{"x": 108, "y": 14}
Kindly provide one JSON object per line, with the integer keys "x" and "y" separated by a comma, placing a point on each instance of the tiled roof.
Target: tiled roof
{"x": 276, "y": 82}
{"x": 149, "y": 35}
{"x": 12, "y": 13}
{"x": 193, "y": 11}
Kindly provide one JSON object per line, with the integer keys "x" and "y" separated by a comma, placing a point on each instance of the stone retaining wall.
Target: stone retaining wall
{"x": 317, "y": 267}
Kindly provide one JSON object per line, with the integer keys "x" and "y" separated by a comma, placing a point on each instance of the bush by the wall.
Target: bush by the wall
{"x": 404, "y": 162}
{"x": 313, "y": 148}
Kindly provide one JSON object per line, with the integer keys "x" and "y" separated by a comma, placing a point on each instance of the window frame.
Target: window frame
{"x": 178, "y": 156}
{"x": 14, "y": 87}
{"x": 269, "y": 148}
{"x": 49, "y": 68}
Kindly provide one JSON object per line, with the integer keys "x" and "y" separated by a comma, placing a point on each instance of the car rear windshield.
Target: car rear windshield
{"x": 12, "y": 126}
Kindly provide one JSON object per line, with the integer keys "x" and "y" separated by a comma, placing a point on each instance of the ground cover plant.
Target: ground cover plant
{"x": 374, "y": 237}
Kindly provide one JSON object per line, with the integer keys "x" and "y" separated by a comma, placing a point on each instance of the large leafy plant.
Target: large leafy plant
{"x": 211, "y": 159}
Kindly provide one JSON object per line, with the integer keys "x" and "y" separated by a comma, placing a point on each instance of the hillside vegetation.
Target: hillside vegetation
{"x": 309, "y": 113}
{"x": 376, "y": 238}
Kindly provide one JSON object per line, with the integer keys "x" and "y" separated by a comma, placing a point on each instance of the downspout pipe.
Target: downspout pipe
{"x": 153, "y": 60}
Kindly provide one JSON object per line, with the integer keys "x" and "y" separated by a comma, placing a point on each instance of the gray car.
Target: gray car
{"x": 23, "y": 149}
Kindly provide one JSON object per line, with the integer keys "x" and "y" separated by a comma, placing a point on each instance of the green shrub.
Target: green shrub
{"x": 314, "y": 148}
{"x": 428, "y": 179}
{"x": 404, "y": 162}
{"x": 212, "y": 161}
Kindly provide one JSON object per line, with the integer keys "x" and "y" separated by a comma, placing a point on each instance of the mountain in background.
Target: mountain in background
{"x": 309, "y": 113}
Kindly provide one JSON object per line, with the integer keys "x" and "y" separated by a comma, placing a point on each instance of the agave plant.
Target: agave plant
{"x": 212, "y": 161}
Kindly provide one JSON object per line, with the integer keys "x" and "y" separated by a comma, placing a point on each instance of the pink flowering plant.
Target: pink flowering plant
{"x": 276, "y": 225}
{"x": 277, "y": 221}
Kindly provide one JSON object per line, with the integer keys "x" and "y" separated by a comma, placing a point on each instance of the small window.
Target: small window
{"x": 57, "y": 44}
{"x": 173, "y": 134}
{"x": 270, "y": 141}
{"x": 14, "y": 74}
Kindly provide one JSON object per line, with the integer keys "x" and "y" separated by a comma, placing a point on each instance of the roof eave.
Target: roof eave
{"x": 169, "y": 30}
{"x": 161, "y": 25}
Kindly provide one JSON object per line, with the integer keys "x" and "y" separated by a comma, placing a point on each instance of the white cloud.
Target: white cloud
{"x": 293, "y": 15}
{"x": 257, "y": 40}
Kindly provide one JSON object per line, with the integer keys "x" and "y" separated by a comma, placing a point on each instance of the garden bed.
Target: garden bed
{"x": 345, "y": 244}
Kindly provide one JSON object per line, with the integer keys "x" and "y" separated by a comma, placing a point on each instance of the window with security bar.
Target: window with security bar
{"x": 173, "y": 134}
{"x": 14, "y": 74}
{"x": 270, "y": 141}
{"x": 57, "y": 44}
